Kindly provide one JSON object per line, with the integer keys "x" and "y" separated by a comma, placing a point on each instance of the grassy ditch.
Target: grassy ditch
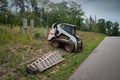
{"x": 16, "y": 52}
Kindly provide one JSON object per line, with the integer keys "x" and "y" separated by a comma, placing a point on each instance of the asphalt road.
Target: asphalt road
{"x": 102, "y": 64}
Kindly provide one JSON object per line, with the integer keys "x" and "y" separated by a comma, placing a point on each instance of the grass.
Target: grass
{"x": 18, "y": 50}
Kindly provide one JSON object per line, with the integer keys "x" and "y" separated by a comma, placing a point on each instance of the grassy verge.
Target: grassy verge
{"x": 66, "y": 68}
{"x": 90, "y": 40}
{"x": 16, "y": 55}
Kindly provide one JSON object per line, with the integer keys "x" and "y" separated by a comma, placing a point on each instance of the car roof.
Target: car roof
{"x": 68, "y": 24}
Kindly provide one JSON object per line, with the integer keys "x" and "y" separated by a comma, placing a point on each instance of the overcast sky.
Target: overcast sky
{"x": 107, "y": 9}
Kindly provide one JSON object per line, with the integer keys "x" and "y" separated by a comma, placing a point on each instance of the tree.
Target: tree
{"x": 115, "y": 30}
{"x": 3, "y": 6}
{"x": 43, "y": 11}
{"x": 75, "y": 14}
{"x": 101, "y": 26}
{"x": 20, "y": 5}
{"x": 34, "y": 5}
{"x": 46, "y": 8}
{"x": 3, "y": 11}
{"x": 62, "y": 13}
{"x": 92, "y": 25}
{"x": 109, "y": 27}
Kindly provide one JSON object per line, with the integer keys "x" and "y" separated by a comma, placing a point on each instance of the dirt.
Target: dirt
{"x": 29, "y": 54}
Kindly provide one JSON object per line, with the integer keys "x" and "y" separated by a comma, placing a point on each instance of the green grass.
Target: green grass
{"x": 16, "y": 52}
{"x": 66, "y": 68}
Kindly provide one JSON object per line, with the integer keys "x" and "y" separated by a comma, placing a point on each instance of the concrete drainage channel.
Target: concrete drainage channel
{"x": 46, "y": 61}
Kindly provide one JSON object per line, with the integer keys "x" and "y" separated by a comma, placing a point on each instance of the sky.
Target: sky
{"x": 106, "y": 9}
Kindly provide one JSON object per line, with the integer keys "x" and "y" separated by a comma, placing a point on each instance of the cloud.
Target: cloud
{"x": 107, "y": 9}
{"x": 56, "y": 1}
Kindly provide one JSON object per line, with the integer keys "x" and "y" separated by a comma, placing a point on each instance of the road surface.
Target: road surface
{"x": 102, "y": 64}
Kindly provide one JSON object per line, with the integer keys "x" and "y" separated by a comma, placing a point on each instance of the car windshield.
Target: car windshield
{"x": 68, "y": 28}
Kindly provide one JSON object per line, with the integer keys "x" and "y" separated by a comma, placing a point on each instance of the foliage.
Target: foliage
{"x": 101, "y": 26}
{"x": 115, "y": 29}
{"x": 3, "y": 6}
{"x": 46, "y": 12}
{"x": 43, "y": 12}
{"x": 109, "y": 25}
{"x": 92, "y": 25}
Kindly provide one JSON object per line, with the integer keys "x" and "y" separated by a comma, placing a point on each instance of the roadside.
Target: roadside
{"x": 15, "y": 56}
{"x": 102, "y": 64}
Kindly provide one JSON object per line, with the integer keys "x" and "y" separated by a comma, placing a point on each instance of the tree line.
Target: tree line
{"x": 46, "y": 12}
{"x": 102, "y": 26}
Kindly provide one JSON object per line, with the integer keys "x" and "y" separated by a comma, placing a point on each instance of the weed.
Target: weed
{"x": 17, "y": 50}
